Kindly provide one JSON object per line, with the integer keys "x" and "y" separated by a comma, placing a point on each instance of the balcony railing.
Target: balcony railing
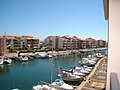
{"x": 114, "y": 82}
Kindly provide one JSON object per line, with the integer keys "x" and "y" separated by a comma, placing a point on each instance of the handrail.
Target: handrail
{"x": 114, "y": 82}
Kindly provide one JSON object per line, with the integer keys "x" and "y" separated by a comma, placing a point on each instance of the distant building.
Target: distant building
{"x": 42, "y": 44}
{"x": 1, "y": 45}
{"x": 101, "y": 43}
{"x": 54, "y": 42}
{"x": 29, "y": 42}
{"x": 64, "y": 42}
{"x": 12, "y": 42}
{"x": 79, "y": 42}
{"x": 91, "y": 43}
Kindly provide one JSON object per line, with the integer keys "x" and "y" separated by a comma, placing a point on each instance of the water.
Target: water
{"x": 24, "y": 75}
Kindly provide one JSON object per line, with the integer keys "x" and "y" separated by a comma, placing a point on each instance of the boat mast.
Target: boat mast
{"x": 52, "y": 61}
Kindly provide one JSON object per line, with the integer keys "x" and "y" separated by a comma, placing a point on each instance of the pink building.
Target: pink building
{"x": 1, "y": 45}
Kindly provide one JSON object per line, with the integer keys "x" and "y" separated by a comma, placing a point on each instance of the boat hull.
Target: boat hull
{"x": 73, "y": 82}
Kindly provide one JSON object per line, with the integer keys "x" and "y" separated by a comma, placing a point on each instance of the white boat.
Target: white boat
{"x": 22, "y": 57}
{"x": 49, "y": 56}
{"x": 7, "y": 60}
{"x": 42, "y": 87}
{"x": 60, "y": 85}
{"x": 99, "y": 55}
{"x": 1, "y": 60}
{"x": 42, "y": 55}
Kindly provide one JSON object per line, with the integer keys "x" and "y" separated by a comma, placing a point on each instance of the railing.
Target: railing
{"x": 114, "y": 82}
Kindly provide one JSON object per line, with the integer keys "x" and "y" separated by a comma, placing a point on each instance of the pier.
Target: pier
{"x": 96, "y": 80}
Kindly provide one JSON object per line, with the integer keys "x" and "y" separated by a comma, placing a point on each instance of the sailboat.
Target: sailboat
{"x": 46, "y": 85}
{"x": 57, "y": 85}
{"x": 70, "y": 77}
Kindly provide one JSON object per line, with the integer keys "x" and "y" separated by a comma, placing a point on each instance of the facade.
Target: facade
{"x": 91, "y": 43}
{"x": 101, "y": 43}
{"x": 29, "y": 42}
{"x": 112, "y": 14}
{"x": 1, "y": 45}
{"x": 11, "y": 42}
{"x": 66, "y": 42}
{"x": 54, "y": 42}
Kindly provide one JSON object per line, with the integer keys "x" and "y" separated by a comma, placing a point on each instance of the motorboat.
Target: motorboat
{"x": 42, "y": 87}
{"x": 22, "y": 57}
{"x": 7, "y": 60}
{"x": 99, "y": 55}
{"x": 49, "y": 56}
{"x": 60, "y": 85}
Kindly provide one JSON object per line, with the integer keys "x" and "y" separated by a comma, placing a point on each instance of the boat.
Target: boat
{"x": 70, "y": 78}
{"x": 42, "y": 55}
{"x": 1, "y": 60}
{"x": 49, "y": 56}
{"x": 60, "y": 85}
{"x": 36, "y": 55}
{"x": 42, "y": 87}
{"x": 7, "y": 60}
{"x": 22, "y": 57}
{"x": 99, "y": 55}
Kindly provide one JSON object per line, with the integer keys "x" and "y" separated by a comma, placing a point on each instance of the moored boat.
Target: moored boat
{"x": 7, "y": 60}
{"x": 71, "y": 78}
{"x": 22, "y": 57}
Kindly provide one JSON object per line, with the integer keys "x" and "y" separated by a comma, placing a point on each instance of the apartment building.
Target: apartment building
{"x": 1, "y": 45}
{"x": 101, "y": 43}
{"x": 91, "y": 43}
{"x": 12, "y": 42}
{"x": 29, "y": 42}
{"x": 65, "y": 42}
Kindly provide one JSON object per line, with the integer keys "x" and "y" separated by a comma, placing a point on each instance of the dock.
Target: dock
{"x": 96, "y": 80}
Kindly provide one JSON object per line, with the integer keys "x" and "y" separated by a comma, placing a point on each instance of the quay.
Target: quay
{"x": 55, "y": 52}
{"x": 96, "y": 80}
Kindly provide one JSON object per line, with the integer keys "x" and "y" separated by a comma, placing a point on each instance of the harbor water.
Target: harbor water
{"x": 24, "y": 75}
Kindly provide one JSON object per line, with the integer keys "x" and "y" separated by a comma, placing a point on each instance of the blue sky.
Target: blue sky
{"x": 41, "y": 18}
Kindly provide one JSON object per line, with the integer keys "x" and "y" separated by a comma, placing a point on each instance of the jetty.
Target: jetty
{"x": 96, "y": 80}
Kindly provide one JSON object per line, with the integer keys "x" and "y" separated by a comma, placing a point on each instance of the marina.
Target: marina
{"x": 25, "y": 75}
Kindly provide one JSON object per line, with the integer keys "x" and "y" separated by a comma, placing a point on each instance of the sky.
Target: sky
{"x": 42, "y": 18}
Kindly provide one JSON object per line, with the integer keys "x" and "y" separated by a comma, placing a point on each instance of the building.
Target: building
{"x": 1, "y": 45}
{"x": 91, "y": 43}
{"x": 55, "y": 42}
{"x": 101, "y": 43}
{"x": 65, "y": 42}
{"x": 29, "y": 42}
{"x": 79, "y": 42}
{"x": 112, "y": 14}
{"x": 11, "y": 42}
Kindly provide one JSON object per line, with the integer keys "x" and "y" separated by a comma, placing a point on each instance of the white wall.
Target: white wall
{"x": 114, "y": 40}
